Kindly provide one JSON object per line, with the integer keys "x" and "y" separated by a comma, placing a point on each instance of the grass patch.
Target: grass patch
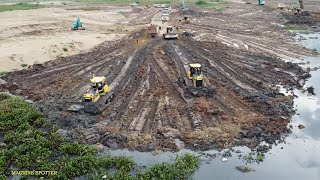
{"x": 24, "y": 65}
{"x": 220, "y": 5}
{"x": 65, "y": 49}
{"x": 3, "y": 73}
{"x": 19, "y": 6}
{"x": 31, "y": 143}
{"x": 294, "y": 28}
{"x": 254, "y": 157}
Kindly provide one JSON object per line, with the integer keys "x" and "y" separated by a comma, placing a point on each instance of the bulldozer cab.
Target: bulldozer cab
{"x": 98, "y": 83}
{"x": 195, "y": 74}
{"x": 195, "y": 69}
{"x": 169, "y": 29}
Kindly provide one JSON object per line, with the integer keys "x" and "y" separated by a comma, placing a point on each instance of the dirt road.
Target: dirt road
{"x": 152, "y": 110}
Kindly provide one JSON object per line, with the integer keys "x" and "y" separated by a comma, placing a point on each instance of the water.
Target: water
{"x": 298, "y": 158}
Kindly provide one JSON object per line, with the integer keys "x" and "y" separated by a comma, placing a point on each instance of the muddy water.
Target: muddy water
{"x": 295, "y": 159}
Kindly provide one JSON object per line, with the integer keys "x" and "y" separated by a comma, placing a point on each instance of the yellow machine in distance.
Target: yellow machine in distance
{"x": 98, "y": 88}
{"x": 195, "y": 74}
{"x": 185, "y": 19}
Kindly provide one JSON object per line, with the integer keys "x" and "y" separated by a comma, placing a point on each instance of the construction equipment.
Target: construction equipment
{"x": 98, "y": 88}
{"x": 166, "y": 10}
{"x": 184, "y": 5}
{"x": 77, "y": 25}
{"x": 153, "y": 30}
{"x": 170, "y": 33}
{"x": 165, "y": 17}
{"x": 261, "y": 2}
{"x": 185, "y": 19}
{"x": 296, "y": 9}
{"x": 194, "y": 82}
{"x": 89, "y": 101}
{"x": 195, "y": 74}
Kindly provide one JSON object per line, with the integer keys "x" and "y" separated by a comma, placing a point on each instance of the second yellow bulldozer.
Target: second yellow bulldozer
{"x": 194, "y": 82}
{"x": 195, "y": 74}
{"x": 185, "y": 19}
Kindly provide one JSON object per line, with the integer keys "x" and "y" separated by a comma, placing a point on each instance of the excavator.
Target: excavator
{"x": 184, "y": 5}
{"x": 261, "y": 2}
{"x": 77, "y": 25}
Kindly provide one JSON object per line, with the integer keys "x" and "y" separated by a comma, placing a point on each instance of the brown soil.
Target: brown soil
{"x": 151, "y": 109}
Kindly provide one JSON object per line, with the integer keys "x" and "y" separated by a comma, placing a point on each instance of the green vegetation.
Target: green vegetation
{"x": 260, "y": 157}
{"x": 3, "y": 73}
{"x": 219, "y": 5}
{"x": 65, "y": 49}
{"x": 19, "y": 6}
{"x": 244, "y": 169}
{"x": 24, "y": 65}
{"x": 294, "y": 28}
{"x": 253, "y": 157}
{"x": 31, "y": 143}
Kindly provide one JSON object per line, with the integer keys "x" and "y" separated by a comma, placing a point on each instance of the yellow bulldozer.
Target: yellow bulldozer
{"x": 194, "y": 82}
{"x": 88, "y": 102}
{"x": 185, "y": 19}
{"x": 195, "y": 74}
{"x": 98, "y": 88}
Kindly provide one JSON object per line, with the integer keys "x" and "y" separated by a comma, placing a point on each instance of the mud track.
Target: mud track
{"x": 151, "y": 109}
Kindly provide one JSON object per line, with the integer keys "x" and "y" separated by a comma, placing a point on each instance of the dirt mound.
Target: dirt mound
{"x": 311, "y": 19}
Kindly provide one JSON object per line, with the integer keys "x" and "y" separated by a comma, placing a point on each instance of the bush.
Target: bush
{"x": 27, "y": 147}
{"x": 201, "y": 3}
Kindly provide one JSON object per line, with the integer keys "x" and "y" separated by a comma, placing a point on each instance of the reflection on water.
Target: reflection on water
{"x": 298, "y": 158}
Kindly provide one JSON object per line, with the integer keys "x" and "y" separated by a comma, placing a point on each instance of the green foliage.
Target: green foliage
{"x": 29, "y": 148}
{"x": 201, "y": 3}
{"x": 77, "y": 149}
{"x": 18, "y": 6}
{"x": 24, "y": 65}
{"x": 260, "y": 157}
{"x": 181, "y": 169}
{"x": 252, "y": 157}
{"x": 80, "y": 166}
{"x": 294, "y": 28}
{"x": 65, "y": 49}
{"x": 219, "y": 5}
{"x": 3, "y": 73}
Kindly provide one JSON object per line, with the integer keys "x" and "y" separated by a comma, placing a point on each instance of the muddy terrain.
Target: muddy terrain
{"x": 243, "y": 65}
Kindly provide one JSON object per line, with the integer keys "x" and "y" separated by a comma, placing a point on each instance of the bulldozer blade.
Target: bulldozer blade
{"x": 92, "y": 109}
{"x": 200, "y": 91}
